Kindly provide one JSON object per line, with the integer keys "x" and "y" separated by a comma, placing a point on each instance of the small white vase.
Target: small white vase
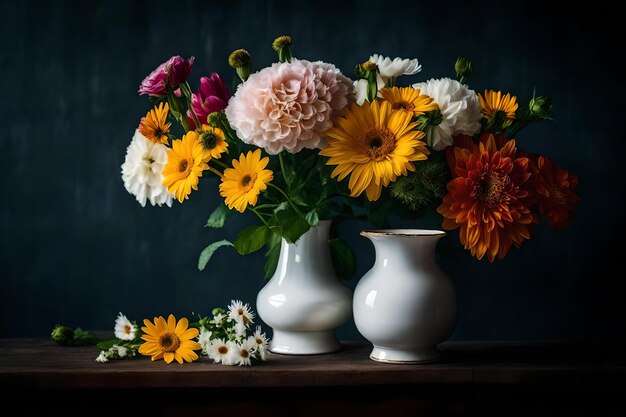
{"x": 405, "y": 304}
{"x": 304, "y": 302}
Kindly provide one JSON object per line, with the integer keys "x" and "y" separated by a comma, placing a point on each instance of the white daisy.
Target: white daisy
{"x": 391, "y": 69}
{"x": 240, "y": 312}
{"x": 240, "y": 329}
{"x": 205, "y": 341}
{"x": 460, "y": 110}
{"x": 121, "y": 351}
{"x": 260, "y": 341}
{"x": 218, "y": 319}
{"x": 142, "y": 171}
{"x": 360, "y": 89}
{"x": 242, "y": 353}
{"x": 221, "y": 351}
{"x": 124, "y": 328}
{"x": 102, "y": 357}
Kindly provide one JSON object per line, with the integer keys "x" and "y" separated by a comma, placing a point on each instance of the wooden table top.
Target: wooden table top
{"x": 41, "y": 364}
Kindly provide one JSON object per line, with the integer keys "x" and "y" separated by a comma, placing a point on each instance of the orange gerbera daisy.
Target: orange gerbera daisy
{"x": 555, "y": 194}
{"x": 488, "y": 198}
{"x": 169, "y": 340}
{"x": 155, "y": 126}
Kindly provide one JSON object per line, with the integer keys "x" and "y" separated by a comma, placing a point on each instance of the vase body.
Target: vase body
{"x": 304, "y": 302}
{"x": 405, "y": 304}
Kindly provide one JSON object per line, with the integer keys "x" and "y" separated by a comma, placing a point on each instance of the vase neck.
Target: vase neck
{"x": 416, "y": 251}
{"x": 310, "y": 253}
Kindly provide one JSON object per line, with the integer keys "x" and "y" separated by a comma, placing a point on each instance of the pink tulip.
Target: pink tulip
{"x": 212, "y": 96}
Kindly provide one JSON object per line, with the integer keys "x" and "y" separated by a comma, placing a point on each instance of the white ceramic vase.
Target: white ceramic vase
{"x": 304, "y": 302}
{"x": 405, "y": 304}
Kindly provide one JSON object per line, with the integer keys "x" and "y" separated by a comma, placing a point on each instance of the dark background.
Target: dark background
{"x": 76, "y": 248}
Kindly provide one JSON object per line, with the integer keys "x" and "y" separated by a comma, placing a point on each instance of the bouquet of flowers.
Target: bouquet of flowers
{"x": 299, "y": 141}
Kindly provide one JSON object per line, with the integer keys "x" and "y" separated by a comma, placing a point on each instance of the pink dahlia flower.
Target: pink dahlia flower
{"x": 289, "y": 105}
{"x": 174, "y": 71}
{"x": 212, "y": 96}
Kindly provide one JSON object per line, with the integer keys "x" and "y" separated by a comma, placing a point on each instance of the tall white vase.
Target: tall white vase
{"x": 304, "y": 302}
{"x": 405, "y": 304}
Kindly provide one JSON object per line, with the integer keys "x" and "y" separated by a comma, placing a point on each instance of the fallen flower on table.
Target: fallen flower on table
{"x": 223, "y": 337}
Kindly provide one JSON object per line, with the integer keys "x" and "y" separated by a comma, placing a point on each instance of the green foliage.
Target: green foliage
{"x": 209, "y": 251}
{"x": 292, "y": 224}
{"x": 343, "y": 257}
{"x": 219, "y": 216}
{"x": 67, "y": 336}
{"x": 424, "y": 186}
{"x": 251, "y": 239}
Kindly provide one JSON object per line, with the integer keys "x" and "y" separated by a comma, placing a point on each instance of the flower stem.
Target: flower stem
{"x": 280, "y": 190}
{"x": 282, "y": 169}
{"x": 220, "y": 163}
{"x": 259, "y": 216}
{"x": 184, "y": 87}
{"x": 215, "y": 171}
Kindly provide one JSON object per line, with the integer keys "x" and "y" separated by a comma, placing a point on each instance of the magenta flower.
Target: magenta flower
{"x": 212, "y": 96}
{"x": 173, "y": 72}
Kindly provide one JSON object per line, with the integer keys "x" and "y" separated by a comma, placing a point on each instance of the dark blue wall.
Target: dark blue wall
{"x": 76, "y": 248}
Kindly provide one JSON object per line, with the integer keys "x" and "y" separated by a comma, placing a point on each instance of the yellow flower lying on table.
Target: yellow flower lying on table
{"x": 169, "y": 340}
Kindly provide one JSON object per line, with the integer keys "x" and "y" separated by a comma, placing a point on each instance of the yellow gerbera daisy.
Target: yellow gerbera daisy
{"x": 185, "y": 163}
{"x": 409, "y": 99}
{"x": 374, "y": 144}
{"x": 213, "y": 141}
{"x": 154, "y": 126}
{"x": 242, "y": 184}
{"x": 493, "y": 102}
{"x": 169, "y": 340}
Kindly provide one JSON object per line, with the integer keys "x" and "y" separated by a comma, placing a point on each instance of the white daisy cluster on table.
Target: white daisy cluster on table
{"x": 126, "y": 343}
{"x": 224, "y": 337}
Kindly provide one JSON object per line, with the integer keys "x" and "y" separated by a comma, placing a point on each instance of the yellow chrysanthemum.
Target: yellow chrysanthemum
{"x": 409, "y": 99}
{"x": 374, "y": 144}
{"x": 213, "y": 141}
{"x": 154, "y": 126}
{"x": 169, "y": 340}
{"x": 185, "y": 163}
{"x": 242, "y": 184}
{"x": 493, "y": 102}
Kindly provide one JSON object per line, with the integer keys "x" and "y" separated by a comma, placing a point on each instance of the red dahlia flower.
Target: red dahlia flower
{"x": 489, "y": 197}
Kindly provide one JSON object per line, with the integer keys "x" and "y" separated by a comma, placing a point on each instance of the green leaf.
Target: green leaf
{"x": 219, "y": 216}
{"x": 272, "y": 255}
{"x": 312, "y": 218}
{"x": 251, "y": 239}
{"x": 208, "y": 252}
{"x": 343, "y": 257}
{"x": 107, "y": 344}
{"x": 292, "y": 225}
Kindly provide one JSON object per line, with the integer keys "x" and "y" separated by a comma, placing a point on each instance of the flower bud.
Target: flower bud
{"x": 463, "y": 68}
{"x": 62, "y": 335}
{"x": 213, "y": 119}
{"x": 241, "y": 61}
{"x": 540, "y": 107}
{"x": 282, "y": 45}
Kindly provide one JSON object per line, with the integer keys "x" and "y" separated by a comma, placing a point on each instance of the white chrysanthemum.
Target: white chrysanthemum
{"x": 142, "y": 171}
{"x": 240, "y": 312}
{"x": 360, "y": 89}
{"x": 460, "y": 110}
{"x": 102, "y": 358}
{"x": 124, "y": 328}
{"x": 260, "y": 342}
{"x": 289, "y": 105}
{"x": 221, "y": 351}
{"x": 389, "y": 68}
{"x": 204, "y": 338}
{"x": 242, "y": 353}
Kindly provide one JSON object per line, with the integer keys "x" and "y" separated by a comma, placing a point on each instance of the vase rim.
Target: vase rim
{"x": 404, "y": 232}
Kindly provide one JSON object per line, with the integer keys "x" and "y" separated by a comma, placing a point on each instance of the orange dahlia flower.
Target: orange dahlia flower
{"x": 555, "y": 194}
{"x": 488, "y": 198}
